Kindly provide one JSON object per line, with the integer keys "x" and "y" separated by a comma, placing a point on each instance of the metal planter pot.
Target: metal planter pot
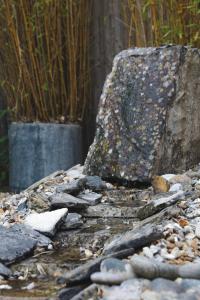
{"x": 38, "y": 149}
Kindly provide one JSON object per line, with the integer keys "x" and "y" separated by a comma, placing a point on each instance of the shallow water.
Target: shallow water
{"x": 43, "y": 269}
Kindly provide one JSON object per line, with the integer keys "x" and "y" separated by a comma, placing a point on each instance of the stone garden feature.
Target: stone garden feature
{"x": 149, "y": 117}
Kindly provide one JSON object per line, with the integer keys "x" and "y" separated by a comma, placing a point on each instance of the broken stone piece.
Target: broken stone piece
{"x": 27, "y": 231}
{"x": 4, "y": 271}
{"x": 72, "y": 221}
{"x": 147, "y": 112}
{"x": 73, "y": 188}
{"x": 136, "y": 238}
{"x": 62, "y": 200}
{"x": 176, "y": 187}
{"x": 14, "y": 245}
{"x": 47, "y": 222}
{"x": 92, "y": 197}
{"x": 95, "y": 183}
{"x": 109, "y": 211}
{"x": 157, "y": 205}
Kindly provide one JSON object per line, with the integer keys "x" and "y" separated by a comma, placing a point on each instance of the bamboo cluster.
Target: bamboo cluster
{"x": 44, "y": 58}
{"x": 159, "y": 22}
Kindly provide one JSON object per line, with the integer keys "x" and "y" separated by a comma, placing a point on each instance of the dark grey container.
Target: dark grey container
{"x": 39, "y": 149}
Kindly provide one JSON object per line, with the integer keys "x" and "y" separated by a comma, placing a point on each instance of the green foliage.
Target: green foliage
{"x": 158, "y": 22}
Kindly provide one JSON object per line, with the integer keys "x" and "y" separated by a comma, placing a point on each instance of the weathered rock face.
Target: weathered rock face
{"x": 149, "y": 117}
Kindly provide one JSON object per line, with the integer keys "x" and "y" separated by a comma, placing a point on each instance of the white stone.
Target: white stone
{"x": 168, "y": 177}
{"x": 197, "y": 231}
{"x": 46, "y": 222}
{"x": 5, "y": 287}
{"x": 147, "y": 252}
{"x": 75, "y": 172}
{"x": 176, "y": 187}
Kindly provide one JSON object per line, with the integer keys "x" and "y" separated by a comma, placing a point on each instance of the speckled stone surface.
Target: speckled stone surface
{"x": 149, "y": 117}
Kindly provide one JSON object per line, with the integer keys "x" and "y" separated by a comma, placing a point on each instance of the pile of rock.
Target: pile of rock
{"x": 28, "y": 220}
{"x": 167, "y": 244}
{"x": 161, "y": 249}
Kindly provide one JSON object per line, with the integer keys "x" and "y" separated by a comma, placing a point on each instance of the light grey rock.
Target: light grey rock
{"x": 47, "y": 222}
{"x": 91, "y": 197}
{"x": 130, "y": 290}
{"x": 14, "y": 245}
{"x": 27, "y": 231}
{"x": 168, "y": 177}
{"x": 75, "y": 172}
{"x": 113, "y": 265}
{"x": 175, "y": 253}
{"x": 144, "y": 122}
{"x": 109, "y": 211}
{"x": 5, "y": 287}
{"x": 72, "y": 221}
{"x": 151, "y": 268}
{"x": 136, "y": 238}
{"x": 73, "y": 188}
{"x": 176, "y": 187}
{"x": 187, "y": 284}
{"x": 22, "y": 205}
{"x": 113, "y": 271}
{"x": 111, "y": 278}
{"x": 95, "y": 183}
{"x": 149, "y": 295}
{"x": 155, "y": 206}
{"x": 162, "y": 284}
{"x": 4, "y": 271}
{"x": 197, "y": 230}
{"x": 62, "y": 200}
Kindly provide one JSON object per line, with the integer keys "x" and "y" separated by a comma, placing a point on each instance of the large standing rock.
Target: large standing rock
{"x": 149, "y": 115}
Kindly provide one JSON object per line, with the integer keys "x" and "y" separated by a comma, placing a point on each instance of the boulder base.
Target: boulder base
{"x": 149, "y": 115}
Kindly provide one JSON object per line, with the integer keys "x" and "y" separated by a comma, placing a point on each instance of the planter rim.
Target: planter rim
{"x": 45, "y": 124}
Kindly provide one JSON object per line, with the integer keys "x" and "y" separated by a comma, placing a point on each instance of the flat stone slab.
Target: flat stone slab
{"x": 73, "y": 188}
{"x": 136, "y": 238}
{"x": 109, "y": 211}
{"x": 14, "y": 245}
{"x": 157, "y": 205}
{"x": 62, "y": 200}
{"x": 27, "y": 231}
{"x": 91, "y": 197}
{"x": 95, "y": 183}
{"x": 4, "y": 271}
{"x": 147, "y": 111}
{"x": 72, "y": 221}
{"x": 47, "y": 222}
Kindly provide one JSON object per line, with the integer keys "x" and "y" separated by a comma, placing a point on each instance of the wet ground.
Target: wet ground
{"x": 39, "y": 274}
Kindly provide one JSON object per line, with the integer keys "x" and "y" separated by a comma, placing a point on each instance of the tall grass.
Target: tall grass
{"x": 157, "y": 22}
{"x": 44, "y": 58}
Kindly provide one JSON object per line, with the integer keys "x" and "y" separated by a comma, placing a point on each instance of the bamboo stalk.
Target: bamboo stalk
{"x": 49, "y": 52}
